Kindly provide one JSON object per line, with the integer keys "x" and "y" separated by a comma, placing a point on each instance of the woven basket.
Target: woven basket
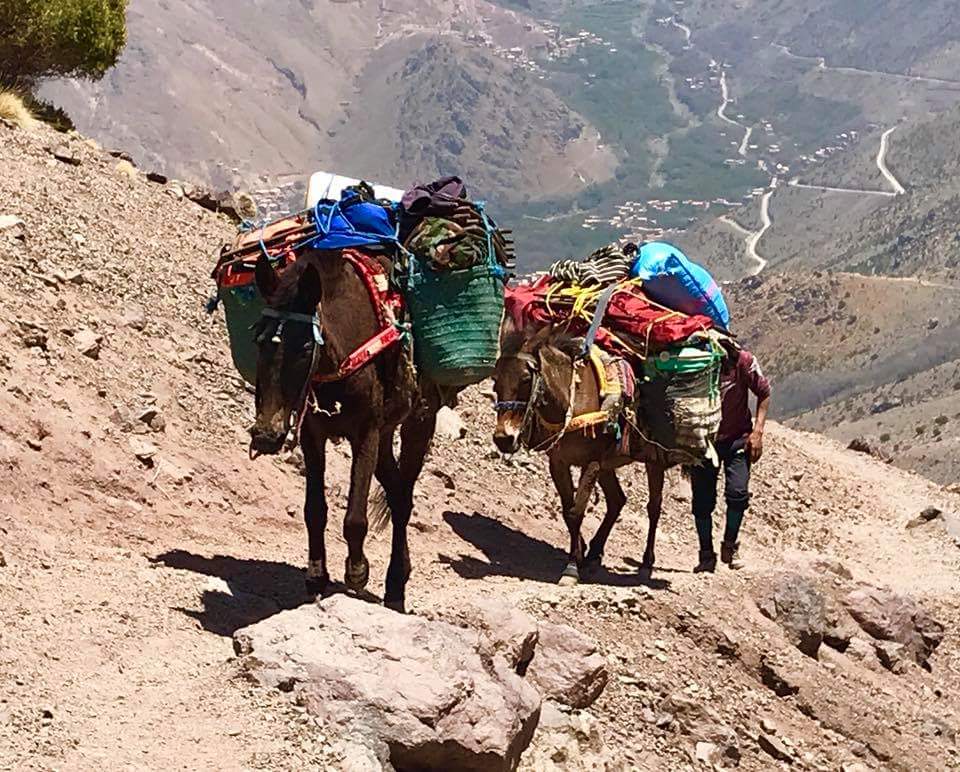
{"x": 242, "y": 307}
{"x": 456, "y": 318}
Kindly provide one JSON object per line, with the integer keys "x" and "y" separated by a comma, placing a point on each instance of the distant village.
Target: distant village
{"x": 635, "y": 219}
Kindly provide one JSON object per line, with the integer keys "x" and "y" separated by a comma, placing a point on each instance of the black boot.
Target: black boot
{"x": 708, "y": 562}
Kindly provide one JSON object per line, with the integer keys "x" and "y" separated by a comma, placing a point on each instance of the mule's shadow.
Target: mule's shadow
{"x": 510, "y": 552}
{"x": 250, "y": 591}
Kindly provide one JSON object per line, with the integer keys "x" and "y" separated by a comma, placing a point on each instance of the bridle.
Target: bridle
{"x": 296, "y": 417}
{"x": 530, "y": 408}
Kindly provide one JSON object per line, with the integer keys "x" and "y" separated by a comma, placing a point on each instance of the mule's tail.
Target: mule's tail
{"x": 378, "y": 511}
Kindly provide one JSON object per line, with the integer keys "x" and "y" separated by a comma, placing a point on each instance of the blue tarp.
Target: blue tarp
{"x": 351, "y": 222}
{"x": 672, "y": 279}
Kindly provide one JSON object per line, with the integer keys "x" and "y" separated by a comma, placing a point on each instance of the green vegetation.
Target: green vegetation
{"x": 47, "y": 38}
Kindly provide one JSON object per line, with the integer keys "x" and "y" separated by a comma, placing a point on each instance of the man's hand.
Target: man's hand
{"x": 755, "y": 446}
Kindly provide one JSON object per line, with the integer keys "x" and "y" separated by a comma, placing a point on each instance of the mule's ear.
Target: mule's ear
{"x": 265, "y": 276}
{"x": 309, "y": 284}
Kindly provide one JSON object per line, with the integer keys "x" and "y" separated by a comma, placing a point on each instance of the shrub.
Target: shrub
{"x": 14, "y": 109}
{"x": 48, "y": 38}
{"x": 885, "y": 437}
{"x": 941, "y": 420}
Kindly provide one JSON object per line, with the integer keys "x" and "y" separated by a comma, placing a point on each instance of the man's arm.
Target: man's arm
{"x": 760, "y": 387}
{"x": 755, "y": 440}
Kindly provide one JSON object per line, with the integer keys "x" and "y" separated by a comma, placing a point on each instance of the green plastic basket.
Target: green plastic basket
{"x": 456, "y": 318}
{"x": 242, "y": 307}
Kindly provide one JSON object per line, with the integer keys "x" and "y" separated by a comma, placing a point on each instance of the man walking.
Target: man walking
{"x": 739, "y": 445}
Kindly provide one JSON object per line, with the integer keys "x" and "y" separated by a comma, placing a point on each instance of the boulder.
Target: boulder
{"x": 887, "y": 616}
{"x": 238, "y": 206}
{"x": 798, "y": 606}
{"x": 13, "y": 226}
{"x": 505, "y": 631}
{"x": 567, "y": 666}
{"x": 423, "y": 688}
{"x": 126, "y": 169}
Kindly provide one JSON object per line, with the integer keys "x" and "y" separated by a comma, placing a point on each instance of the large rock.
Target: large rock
{"x": 806, "y": 606}
{"x": 567, "y": 667}
{"x": 450, "y": 426}
{"x": 505, "y": 631}
{"x": 887, "y": 616}
{"x": 421, "y": 687}
{"x": 798, "y": 606}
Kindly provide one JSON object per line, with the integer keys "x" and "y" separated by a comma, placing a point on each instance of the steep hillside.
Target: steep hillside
{"x": 231, "y": 93}
{"x": 137, "y": 538}
{"x": 855, "y": 356}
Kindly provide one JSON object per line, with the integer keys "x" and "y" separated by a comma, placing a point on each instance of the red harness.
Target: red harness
{"x": 388, "y": 305}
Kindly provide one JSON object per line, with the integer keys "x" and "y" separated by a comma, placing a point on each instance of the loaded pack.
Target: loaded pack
{"x": 434, "y": 263}
{"x": 660, "y": 315}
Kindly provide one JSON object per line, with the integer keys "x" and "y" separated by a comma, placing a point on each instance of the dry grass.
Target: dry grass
{"x": 13, "y": 108}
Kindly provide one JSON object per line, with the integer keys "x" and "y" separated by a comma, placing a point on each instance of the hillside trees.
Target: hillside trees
{"x": 47, "y": 38}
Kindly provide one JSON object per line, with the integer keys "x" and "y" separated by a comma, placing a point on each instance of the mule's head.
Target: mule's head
{"x": 531, "y": 382}
{"x": 288, "y": 337}
{"x": 513, "y": 381}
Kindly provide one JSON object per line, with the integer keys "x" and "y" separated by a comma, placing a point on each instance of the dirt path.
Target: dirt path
{"x": 898, "y": 189}
{"x": 822, "y": 65}
{"x": 722, "y": 114}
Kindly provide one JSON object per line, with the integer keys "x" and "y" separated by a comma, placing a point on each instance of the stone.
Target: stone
{"x": 420, "y": 687}
{"x": 151, "y": 417}
{"x": 892, "y": 656}
{"x": 143, "y": 451}
{"x": 706, "y": 753}
{"x": 927, "y": 516}
{"x": 569, "y": 741}
{"x": 863, "y": 445}
{"x": 829, "y": 565}
{"x": 798, "y": 606}
{"x": 126, "y": 169}
{"x": 238, "y": 206}
{"x": 88, "y": 343}
{"x": 883, "y": 405}
{"x": 888, "y": 616}
{"x": 65, "y": 154}
{"x": 768, "y": 726}
{"x": 32, "y": 334}
{"x": 863, "y": 651}
{"x": 449, "y": 425}
{"x": 157, "y": 177}
{"x": 135, "y": 318}
{"x": 567, "y": 666}
{"x": 504, "y": 631}
{"x": 778, "y": 678}
{"x": 774, "y": 747}
{"x": 13, "y": 226}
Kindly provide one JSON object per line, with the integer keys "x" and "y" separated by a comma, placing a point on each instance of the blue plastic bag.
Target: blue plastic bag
{"x": 673, "y": 280}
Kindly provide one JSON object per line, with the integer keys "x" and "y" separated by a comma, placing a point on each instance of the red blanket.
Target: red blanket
{"x": 633, "y": 326}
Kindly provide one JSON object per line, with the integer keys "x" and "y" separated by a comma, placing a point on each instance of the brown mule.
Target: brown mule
{"x": 319, "y": 311}
{"x": 540, "y": 385}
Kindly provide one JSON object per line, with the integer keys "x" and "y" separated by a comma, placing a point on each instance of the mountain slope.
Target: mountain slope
{"x": 211, "y": 89}
{"x": 137, "y": 536}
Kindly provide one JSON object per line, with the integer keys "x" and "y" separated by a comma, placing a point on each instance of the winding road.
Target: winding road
{"x": 722, "y": 114}
{"x": 822, "y": 65}
{"x": 882, "y": 162}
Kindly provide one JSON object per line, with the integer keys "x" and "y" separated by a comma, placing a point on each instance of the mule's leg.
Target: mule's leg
{"x": 416, "y": 434}
{"x": 315, "y": 510}
{"x": 616, "y": 499}
{"x": 655, "y": 475}
{"x": 365, "y": 447}
{"x": 574, "y": 502}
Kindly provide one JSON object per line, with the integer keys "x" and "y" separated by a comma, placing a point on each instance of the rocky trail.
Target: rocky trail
{"x": 137, "y": 539}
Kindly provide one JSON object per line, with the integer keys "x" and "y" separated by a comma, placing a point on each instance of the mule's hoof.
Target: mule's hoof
{"x": 356, "y": 577}
{"x": 570, "y": 576}
{"x": 645, "y": 570}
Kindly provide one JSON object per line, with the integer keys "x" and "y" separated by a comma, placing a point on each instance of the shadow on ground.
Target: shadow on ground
{"x": 252, "y": 590}
{"x": 510, "y": 552}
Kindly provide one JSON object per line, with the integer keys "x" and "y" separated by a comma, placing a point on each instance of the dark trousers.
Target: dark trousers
{"x": 703, "y": 479}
